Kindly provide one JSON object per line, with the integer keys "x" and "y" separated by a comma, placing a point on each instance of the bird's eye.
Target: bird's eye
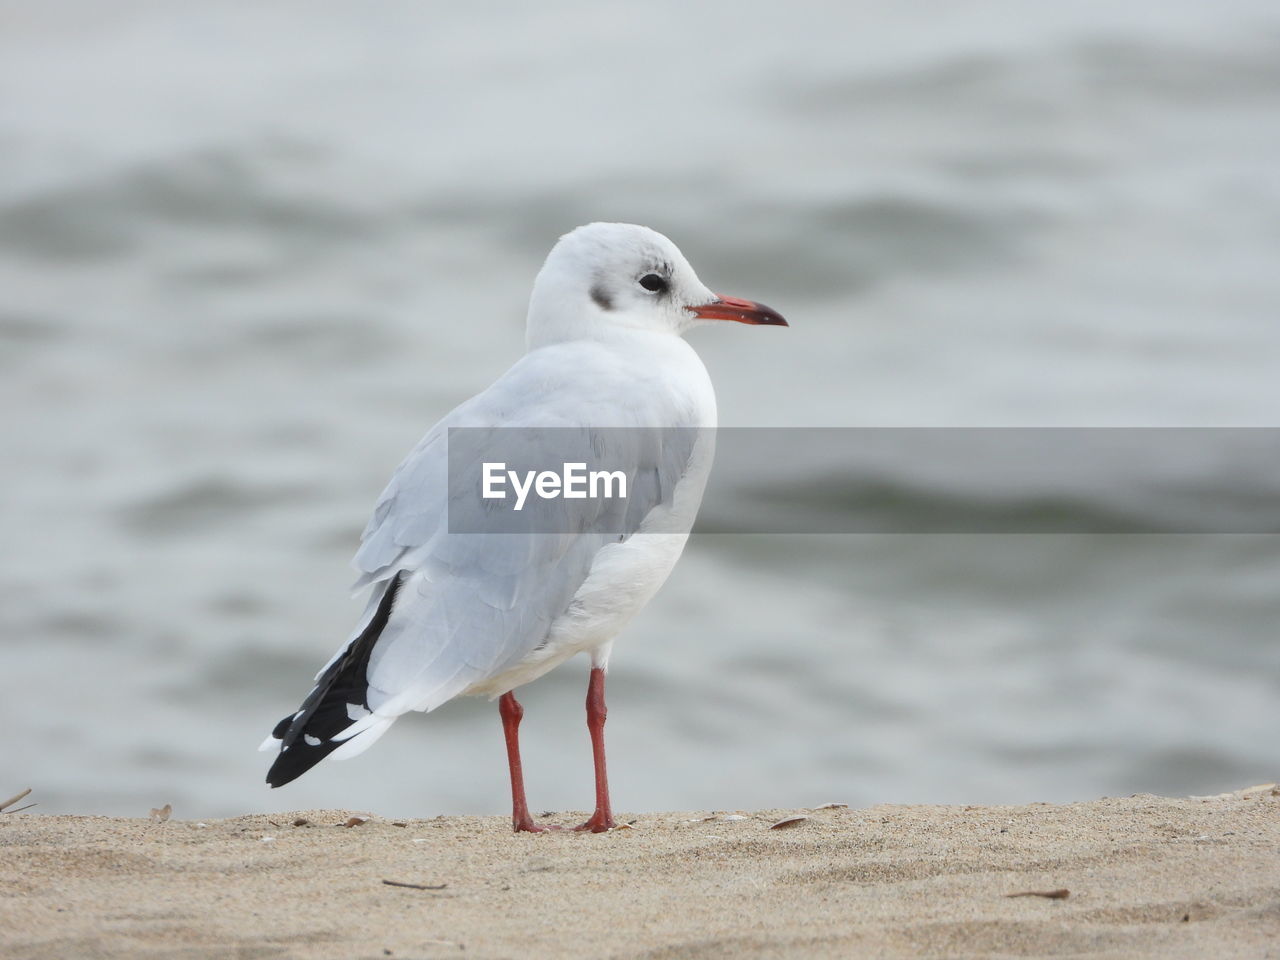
{"x": 653, "y": 283}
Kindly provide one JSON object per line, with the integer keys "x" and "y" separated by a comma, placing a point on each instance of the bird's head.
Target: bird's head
{"x": 608, "y": 275}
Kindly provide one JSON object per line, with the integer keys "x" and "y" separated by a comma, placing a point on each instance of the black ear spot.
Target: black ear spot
{"x": 653, "y": 282}
{"x": 602, "y": 299}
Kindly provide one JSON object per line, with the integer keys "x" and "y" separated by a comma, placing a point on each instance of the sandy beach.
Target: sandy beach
{"x": 1143, "y": 876}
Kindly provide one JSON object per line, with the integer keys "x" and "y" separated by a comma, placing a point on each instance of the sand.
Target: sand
{"x": 1145, "y": 877}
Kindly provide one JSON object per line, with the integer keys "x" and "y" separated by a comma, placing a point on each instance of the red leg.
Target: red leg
{"x": 511, "y": 711}
{"x": 602, "y": 819}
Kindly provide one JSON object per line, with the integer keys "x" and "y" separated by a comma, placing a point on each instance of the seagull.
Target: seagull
{"x": 459, "y": 604}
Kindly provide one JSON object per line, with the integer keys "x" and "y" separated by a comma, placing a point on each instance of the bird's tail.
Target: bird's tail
{"x": 338, "y": 700}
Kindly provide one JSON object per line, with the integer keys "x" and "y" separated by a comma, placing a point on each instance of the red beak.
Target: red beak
{"x": 743, "y": 311}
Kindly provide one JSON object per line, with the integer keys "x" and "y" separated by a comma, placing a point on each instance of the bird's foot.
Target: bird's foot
{"x": 527, "y": 825}
{"x": 600, "y": 821}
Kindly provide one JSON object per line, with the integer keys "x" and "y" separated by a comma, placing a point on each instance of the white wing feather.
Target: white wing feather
{"x": 472, "y": 605}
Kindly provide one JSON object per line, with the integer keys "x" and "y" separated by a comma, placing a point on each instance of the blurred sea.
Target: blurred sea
{"x": 249, "y": 253}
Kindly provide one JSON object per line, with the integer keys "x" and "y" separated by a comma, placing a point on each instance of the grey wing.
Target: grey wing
{"x": 471, "y": 604}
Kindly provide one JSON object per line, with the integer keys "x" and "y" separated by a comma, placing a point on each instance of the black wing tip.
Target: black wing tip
{"x": 296, "y": 756}
{"x": 324, "y": 713}
{"x": 292, "y": 762}
{"x": 275, "y": 779}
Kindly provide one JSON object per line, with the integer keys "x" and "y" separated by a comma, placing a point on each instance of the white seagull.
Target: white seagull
{"x": 455, "y": 610}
